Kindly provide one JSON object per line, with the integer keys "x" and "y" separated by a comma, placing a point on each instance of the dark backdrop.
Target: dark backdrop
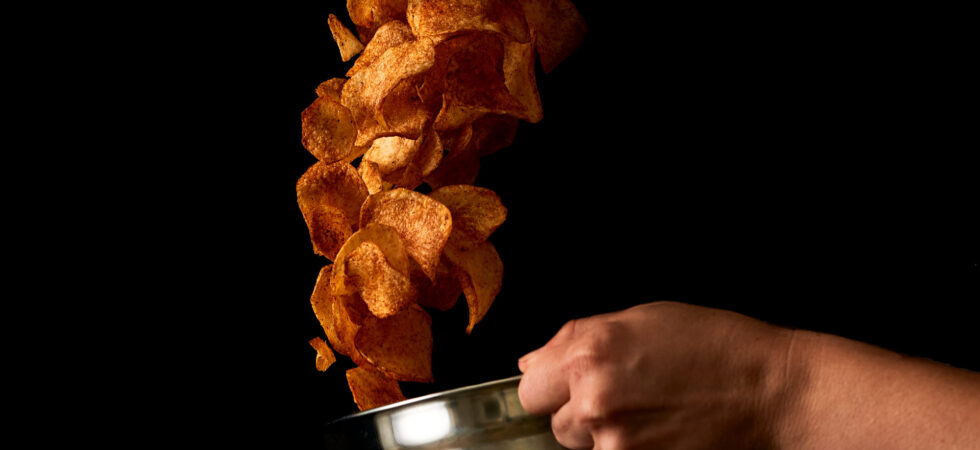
{"x": 798, "y": 166}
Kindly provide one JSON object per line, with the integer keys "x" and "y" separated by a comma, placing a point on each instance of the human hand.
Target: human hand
{"x": 662, "y": 375}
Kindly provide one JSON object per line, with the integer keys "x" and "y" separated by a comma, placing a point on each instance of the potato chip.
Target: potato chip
{"x": 385, "y": 290}
{"x": 558, "y": 29}
{"x": 371, "y": 389}
{"x": 475, "y": 84}
{"x": 492, "y": 132}
{"x": 371, "y": 174}
{"x": 402, "y": 113}
{"x": 391, "y": 34}
{"x": 477, "y": 212}
{"x": 346, "y": 41}
{"x": 331, "y": 89}
{"x": 322, "y": 302}
{"x": 441, "y": 17}
{"x": 387, "y": 239}
{"x": 459, "y": 166}
{"x": 399, "y": 346}
{"x": 442, "y": 293}
{"x": 349, "y": 313}
{"x": 330, "y": 198}
{"x": 328, "y": 131}
{"x": 369, "y": 15}
{"x": 423, "y": 223}
{"x": 404, "y": 162}
{"x": 324, "y": 356}
{"x": 481, "y": 276}
{"x": 518, "y": 67}
{"x": 365, "y": 90}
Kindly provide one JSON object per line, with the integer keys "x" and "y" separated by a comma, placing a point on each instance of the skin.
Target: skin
{"x": 674, "y": 376}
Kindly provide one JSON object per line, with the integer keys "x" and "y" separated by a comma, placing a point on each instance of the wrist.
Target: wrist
{"x": 793, "y": 380}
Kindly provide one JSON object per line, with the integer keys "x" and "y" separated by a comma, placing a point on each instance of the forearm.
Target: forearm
{"x": 851, "y": 395}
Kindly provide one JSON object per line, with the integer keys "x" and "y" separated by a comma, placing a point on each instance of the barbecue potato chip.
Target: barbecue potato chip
{"x": 322, "y": 302}
{"x": 477, "y": 212}
{"x": 349, "y": 313}
{"x": 442, "y": 293}
{"x": 481, "y": 276}
{"x": 386, "y": 238}
{"x": 371, "y": 389}
{"x": 371, "y": 174}
{"x": 331, "y": 89}
{"x": 399, "y": 346}
{"x": 330, "y": 198}
{"x": 369, "y": 15}
{"x": 367, "y": 88}
{"x": 324, "y": 356}
{"x": 402, "y": 113}
{"x": 474, "y": 83}
{"x": 328, "y": 131}
{"x": 441, "y": 17}
{"x": 391, "y": 34}
{"x": 518, "y": 66}
{"x": 384, "y": 289}
{"x": 492, "y": 132}
{"x": 423, "y": 223}
{"x": 459, "y": 166}
{"x": 346, "y": 41}
{"x": 558, "y": 29}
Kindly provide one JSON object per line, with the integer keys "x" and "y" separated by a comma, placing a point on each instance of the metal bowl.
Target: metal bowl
{"x": 483, "y": 416}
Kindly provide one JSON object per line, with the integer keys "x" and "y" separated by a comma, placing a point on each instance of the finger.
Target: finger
{"x": 544, "y": 386}
{"x": 563, "y": 335}
{"x": 570, "y": 431}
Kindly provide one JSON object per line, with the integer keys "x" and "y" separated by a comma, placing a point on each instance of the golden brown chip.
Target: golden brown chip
{"x": 423, "y": 223}
{"x": 328, "y": 130}
{"x": 349, "y": 313}
{"x": 399, "y": 346}
{"x": 442, "y": 293}
{"x": 404, "y": 162}
{"x": 331, "y": 89}
{"x": 441, "y": 17}
{"x": 365, "y": 91}
{"x": 520, "y": 80}
{"x": 384, "y": 289}
{"x": 371, "y": 174}
{"x": 481, "y": 275}
{"x": 474, "y": 83}
{"x": 330, "y": 198}
{"x": 558, "y": 29}
{"x": 391, "y": 34}
{"x": 346, "y": 41}
{"x": 386, "y": 238}
{"x": 322, "y": 302}
{"x": 492, "y": 132}
{"x": 371, "y": 389}
{"x": 369, "y": 15}
{"x": 324, "y": 356}
{"x": 477, "y": 212}
{"x": 459, "y": 166}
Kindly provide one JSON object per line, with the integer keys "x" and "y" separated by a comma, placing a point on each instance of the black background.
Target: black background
{"x": 801, "y": 166}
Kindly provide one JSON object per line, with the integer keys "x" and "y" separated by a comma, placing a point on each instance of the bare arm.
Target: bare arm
{"x": 669, "y": 375}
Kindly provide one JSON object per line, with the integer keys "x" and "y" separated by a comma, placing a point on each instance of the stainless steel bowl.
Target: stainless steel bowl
{"x": 483, "y": 416}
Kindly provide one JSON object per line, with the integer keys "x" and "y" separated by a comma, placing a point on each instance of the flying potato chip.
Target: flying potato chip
{"x": 391, "y": 34}
{"x": 349, "y": 313}
{"x": 369, "y": 15}
{"x": 331, "y": 89}
{"x": 371, "y": 389}
{"x": 442, "y": 293}
{"x": 330, "y": 198}
{"x": 492, "y": 132}
{"x": 423, "y": 223}
{"x": 387, "y": 239}
{"x": 441, "y": 17}
{"x": 518, "y": 66}
{"x": 328, "y": 131}
{"x": 459, "y": 166}
{"x": 558, "y": 28}
{"x": 481, "y": 276}
{"x": 399, "y": 346}
{"x": 346, "y": 41}
{"x": 365, "y": 90}
{"x": 324, "y": 356}
{"x": 371, "y": 174}
{"x": 322, "y": 302}
{"x": 404, "y": 162}
{"x": 477, "y": 212}
{"x": 384, "y": 289}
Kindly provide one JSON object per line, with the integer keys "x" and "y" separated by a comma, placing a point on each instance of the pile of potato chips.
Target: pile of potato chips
{"x": 434, "y": 86}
